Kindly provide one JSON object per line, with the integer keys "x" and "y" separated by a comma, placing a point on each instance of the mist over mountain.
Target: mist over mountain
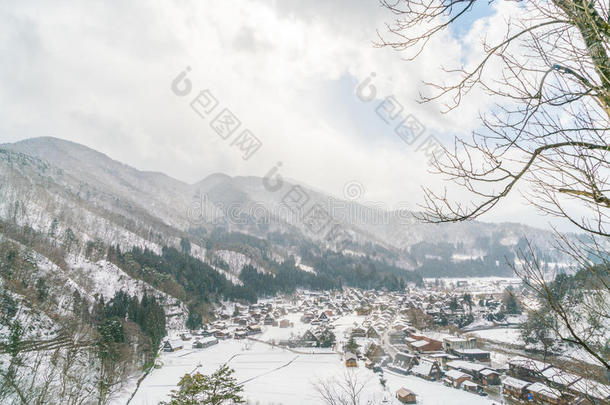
{"x": 91, "y": 248}
{"x": 51, "y": 183}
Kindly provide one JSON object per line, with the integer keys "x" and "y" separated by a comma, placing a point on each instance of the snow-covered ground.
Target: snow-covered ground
{"x": 275, "y": 334}
{"x": 477, "y": 285}
{"x": 502, "y": 335}
{"x": 271, "y": 375}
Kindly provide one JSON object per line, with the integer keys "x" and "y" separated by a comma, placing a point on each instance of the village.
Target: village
{"x": 406, "y": 347}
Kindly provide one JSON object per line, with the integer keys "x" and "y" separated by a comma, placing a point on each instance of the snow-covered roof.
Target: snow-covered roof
{"x": 419, "y": 343}
{"x": 466, "y": 365}
{"x": 591, "y": 388}
{"x": 514, "y": 383}
{"x": 455, "y": 339}
{"x": 560, "y": 376}
{"x": 208, "y": 339}
{"x": 529, "y": 364}
{"x": 423, "y": 368}
{"x": 471, "y": 351}
{"x": 545, "y": 390}
{"x": 455, "y": 374}
{"x": 403, "y": 392}
{"x": 350, "y": 356}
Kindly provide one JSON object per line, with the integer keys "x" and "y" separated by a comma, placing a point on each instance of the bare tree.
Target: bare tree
{"x": 345, "y": 391}
{"x": 546, "y": 134}
{"x": 42, "y": 375}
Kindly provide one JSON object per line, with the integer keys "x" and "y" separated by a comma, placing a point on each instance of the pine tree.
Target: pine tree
{"x": 194, "y": 319}
{"x": 510, "y": 302}
{"x": 468, "y": 300}
{"x": 219, "y": 388}
{"x": 42, "y": 290}
{"x": 185, "y": 246}
{"x": 351, "y": 346}
{"x": 14, "y": 338}
{"x": 453, "y": 304}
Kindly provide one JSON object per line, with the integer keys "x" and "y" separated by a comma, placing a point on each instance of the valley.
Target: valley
{"x": 104, "y": 266}
{"x": 281, "y": 362}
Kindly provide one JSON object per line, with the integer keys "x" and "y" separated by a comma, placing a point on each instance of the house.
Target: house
{"x": 202, "y": 332}
{"x": 372, "y": 332}
{"x": 397, "y": 336}
{"x": 428, "y": 370}
{"x": 358, "y": 332}
{"x": 472, "y": 369}
{"x": 254, "y": 330}
{"x": 204, "y": 342}
{"x": 324, "y": 317}
{"x": 268, "y": 320}
{"x": 540, "y": 392}
{"x": 514, "y": 387}
{"x": 489, "y": 377}
{"x": 441, "y": 357}
{"x": 470, "y": 386}
{"x": 455, "y": 378}
{"x": 222, "y": 334}
{"x": 559, "y": 378}
{"x": 309, "y": 339}
{"x": 424, "y": 344}
{"x": 375, "y": 352}
{"x": 365, "y": 310}
{"x": 473, "y": 355}
{"x": 406, "y": 396}
{"x": 458, "y": 343}
{"x": 351, "y": 360}
{"x": 403, "y": 362}
{"x": 595, "y": 393}
{"x": 172, "y": 345}
{"x": 240, "y": 334}
{"x": 307, "y": 317}
{"x": 526, "y": 369}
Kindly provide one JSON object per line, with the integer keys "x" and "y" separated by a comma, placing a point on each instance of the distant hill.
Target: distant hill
{"x": 52, "y": 182}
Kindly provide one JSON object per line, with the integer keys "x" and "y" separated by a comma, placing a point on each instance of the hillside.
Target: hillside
{"x": 98, "y": 258}
{"x": 47, "y": 178}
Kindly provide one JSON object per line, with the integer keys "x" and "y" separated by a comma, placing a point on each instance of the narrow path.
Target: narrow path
{"x": 187, "y": 353}
{"x": 139, "y": 382}
{"x": 268, "y": 372}
{"x": 290, "y": 349}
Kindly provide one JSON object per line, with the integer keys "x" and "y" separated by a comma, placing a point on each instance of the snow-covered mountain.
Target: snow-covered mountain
{"x": 95, "y": 254}
{"x": 52, "y": 185}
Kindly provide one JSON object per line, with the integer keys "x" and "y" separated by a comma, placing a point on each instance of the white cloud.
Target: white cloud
{"x": 100, "y": 73}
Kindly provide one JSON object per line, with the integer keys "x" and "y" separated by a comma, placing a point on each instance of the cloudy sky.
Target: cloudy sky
{"x": 100, "y": 73}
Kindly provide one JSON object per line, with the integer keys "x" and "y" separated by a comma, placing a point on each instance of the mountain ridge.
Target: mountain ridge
{"x": 155, "y": 203}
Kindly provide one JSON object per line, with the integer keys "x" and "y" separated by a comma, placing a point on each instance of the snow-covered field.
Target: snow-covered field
{"x": 502, "y": 335}
{"x": 477, "y": 285}
{"x": 272, "y": 375}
